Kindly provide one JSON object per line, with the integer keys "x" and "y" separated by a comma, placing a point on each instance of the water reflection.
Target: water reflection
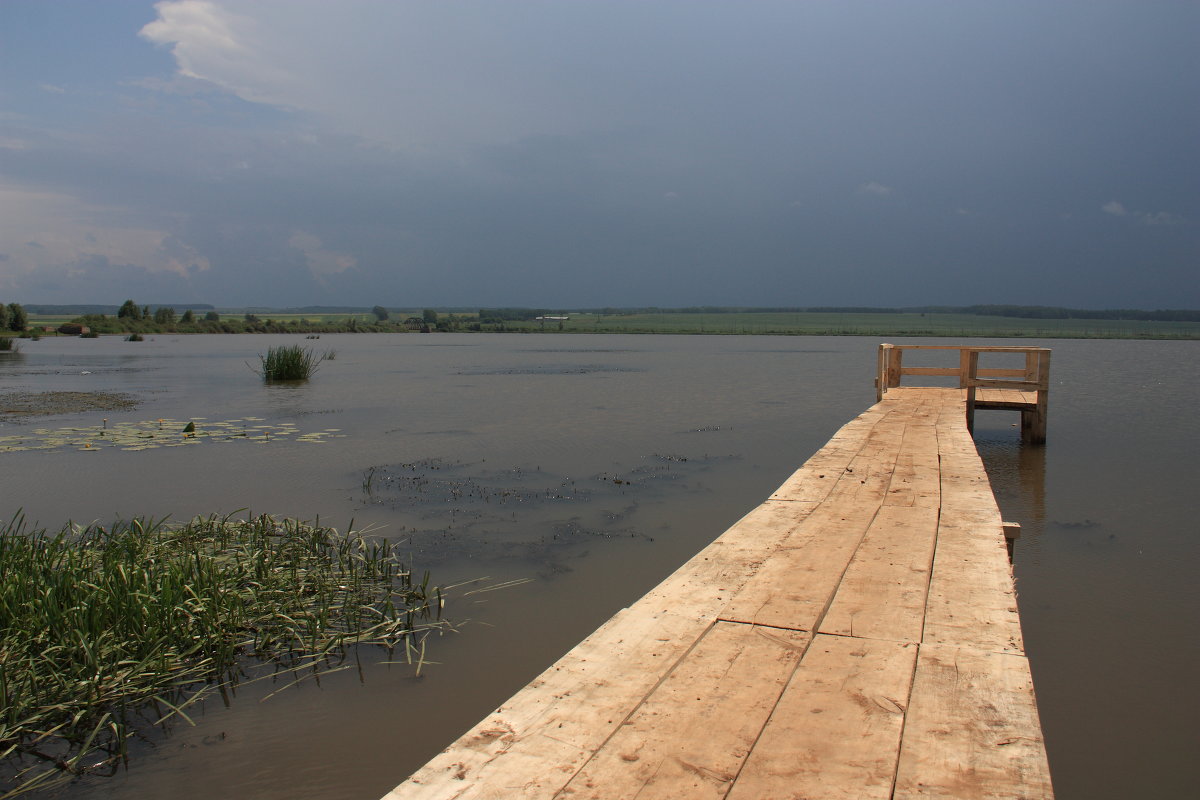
{"x": 1017, "y": 472}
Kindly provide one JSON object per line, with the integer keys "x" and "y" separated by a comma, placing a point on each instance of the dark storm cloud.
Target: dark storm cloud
{"x": 667, "y": 153}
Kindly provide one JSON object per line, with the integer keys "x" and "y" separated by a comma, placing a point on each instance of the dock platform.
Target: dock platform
{"x": 855, "y": 636}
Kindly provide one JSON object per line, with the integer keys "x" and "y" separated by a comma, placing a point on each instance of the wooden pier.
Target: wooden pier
{"x": 855, "y": 636}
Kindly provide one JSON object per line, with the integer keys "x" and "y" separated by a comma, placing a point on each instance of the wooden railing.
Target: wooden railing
{"x": 1026, "y": 390}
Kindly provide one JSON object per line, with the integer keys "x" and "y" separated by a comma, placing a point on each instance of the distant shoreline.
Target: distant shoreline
{"x": 882, "y": 333}
{"x": 1007, "y": 322}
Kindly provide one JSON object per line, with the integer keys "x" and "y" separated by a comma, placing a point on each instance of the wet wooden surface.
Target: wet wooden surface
{"x": 855, "y": 636}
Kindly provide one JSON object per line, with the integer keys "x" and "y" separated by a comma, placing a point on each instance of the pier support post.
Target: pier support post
{"x": 1012, "y": 532}
{"x": 1033, "y": 421}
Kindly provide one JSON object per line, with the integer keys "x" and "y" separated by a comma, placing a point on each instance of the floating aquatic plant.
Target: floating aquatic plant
{"x": 149, "y": 434}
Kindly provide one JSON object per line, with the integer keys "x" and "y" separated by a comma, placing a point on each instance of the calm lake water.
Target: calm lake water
{"x": 594, "y": 466}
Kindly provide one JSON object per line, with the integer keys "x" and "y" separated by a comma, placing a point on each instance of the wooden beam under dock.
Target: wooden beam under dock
{"x": 855, "y": 636}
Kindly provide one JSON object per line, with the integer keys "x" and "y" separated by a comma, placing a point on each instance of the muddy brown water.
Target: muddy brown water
{"x": 593, "y": 466}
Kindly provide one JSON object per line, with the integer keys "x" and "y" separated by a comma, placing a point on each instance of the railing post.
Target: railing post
{"x": 971, "y": 372}
{"x": 964, "y": 368}
{"x": 881, "y": 362}
{"x": 895, "y": 364}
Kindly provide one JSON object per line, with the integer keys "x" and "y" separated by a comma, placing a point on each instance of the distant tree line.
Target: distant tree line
{"x": 134, "y": 318}
{"x": 1055, "y": 312}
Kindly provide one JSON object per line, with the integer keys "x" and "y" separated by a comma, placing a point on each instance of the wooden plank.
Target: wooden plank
{"x": 704, "y": 585}
{"x": 991, "y": 372}
{"x": 916, "y": 481}
{"x": 972, "y": 729}
{"x": 998, "y": 383}
{"x": 883, "y": 593}
{"x": 691, "y": 736}
{"x": 836, "y": 731}
{"x": 1006, "y": 398}
{"x": 916, "y": 477}
{"x": 816, "y": 478}
{"x": 930, "y": 371}
{"x": 533, "y": 744}
{"x": 971, "y": 596}
{"x": 793, "y": 588}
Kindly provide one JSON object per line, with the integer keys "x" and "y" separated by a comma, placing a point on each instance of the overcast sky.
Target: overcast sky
{"x": 568, "y": 153}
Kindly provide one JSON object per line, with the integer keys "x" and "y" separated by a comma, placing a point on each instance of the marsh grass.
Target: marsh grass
{"x": 289, "y": 363}
{"x": 107, "y": 631}
{"x": 7, "y": 345}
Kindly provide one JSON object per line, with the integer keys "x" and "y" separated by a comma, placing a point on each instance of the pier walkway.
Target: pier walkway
{"x": 855, "y": 636}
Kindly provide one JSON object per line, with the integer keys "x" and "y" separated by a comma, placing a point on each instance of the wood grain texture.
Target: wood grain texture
{"x": 883, "y": 592}
{"x": 972, "y": 731}
{"x": 836, "y": 730}
{"x": 724, "y": 689}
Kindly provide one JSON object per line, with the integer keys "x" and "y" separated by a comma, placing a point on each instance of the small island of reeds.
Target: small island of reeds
{"x": 289, "y": 363}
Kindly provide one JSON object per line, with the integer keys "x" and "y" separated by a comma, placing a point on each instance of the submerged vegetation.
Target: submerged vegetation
{"x": 289, "y": 363}
{"x": 107, "y": 631}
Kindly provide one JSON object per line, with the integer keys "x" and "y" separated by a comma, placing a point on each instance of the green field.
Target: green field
{"x": 866, "y": 324}
{"x": 755, "y": 322}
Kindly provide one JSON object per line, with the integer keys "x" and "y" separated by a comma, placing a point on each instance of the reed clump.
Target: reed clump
{"x": 7, "y": 345}
{"x": 289, "y": 363}
{"x": 107, "y": 630}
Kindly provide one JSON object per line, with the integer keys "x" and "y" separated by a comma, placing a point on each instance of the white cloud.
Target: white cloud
{"x": 413, "y": 75}
{"x": 1160, "y": 218}
{"x": 212, "y": 43}
{"x": 49, "y": 87}
{"x": 59, "y": 231}
{"x": 1153, "y": 218}
{"x": 321, "y": 262}
{"x": 877, "y": 189}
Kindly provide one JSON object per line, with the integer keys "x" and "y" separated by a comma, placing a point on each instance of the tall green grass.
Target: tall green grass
{"x": 7, "y": 345}
{"x": 289, "y": 363}
{"x": 106, "y": 630}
